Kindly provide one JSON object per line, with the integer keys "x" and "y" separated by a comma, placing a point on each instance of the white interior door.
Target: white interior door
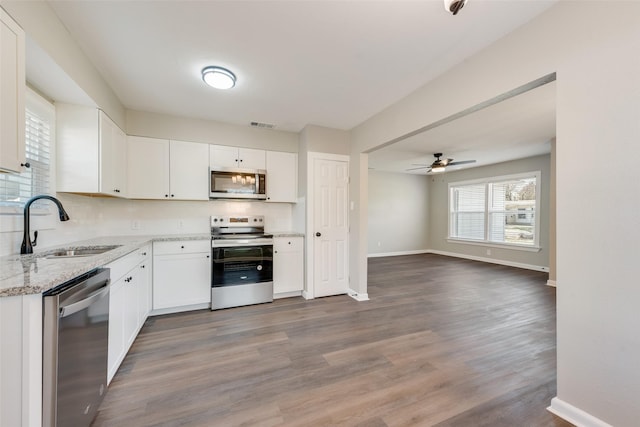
{"x": 331, "y": 229}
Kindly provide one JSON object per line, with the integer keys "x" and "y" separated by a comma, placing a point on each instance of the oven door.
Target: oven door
{"x": 241, "y": 265}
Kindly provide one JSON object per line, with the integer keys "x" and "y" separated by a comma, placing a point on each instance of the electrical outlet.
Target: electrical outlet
{"x": 135, "y": 224}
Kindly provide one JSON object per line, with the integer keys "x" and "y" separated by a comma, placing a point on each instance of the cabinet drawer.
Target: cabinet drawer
{"x": 181, "y": 247}
{"x": 288, "y": 244}
{"x": 123, "y": 265}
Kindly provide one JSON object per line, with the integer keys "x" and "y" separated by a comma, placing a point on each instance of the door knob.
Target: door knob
{"x": 318, "y": 234}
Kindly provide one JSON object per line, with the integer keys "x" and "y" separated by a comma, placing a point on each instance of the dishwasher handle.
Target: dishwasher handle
{"x": 70, "y": 309}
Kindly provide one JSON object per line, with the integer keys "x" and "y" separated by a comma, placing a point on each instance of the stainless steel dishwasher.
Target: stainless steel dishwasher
{"x": 74, "y": 349}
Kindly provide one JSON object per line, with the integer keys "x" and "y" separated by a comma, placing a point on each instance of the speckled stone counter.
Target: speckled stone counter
{"x": 35, "y": 273}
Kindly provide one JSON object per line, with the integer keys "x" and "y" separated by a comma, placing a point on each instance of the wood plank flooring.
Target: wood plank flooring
{"x": 443, "y": 342}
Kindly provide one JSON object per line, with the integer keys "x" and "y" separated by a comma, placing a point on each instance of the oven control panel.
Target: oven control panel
{"x": 237, "y": 221}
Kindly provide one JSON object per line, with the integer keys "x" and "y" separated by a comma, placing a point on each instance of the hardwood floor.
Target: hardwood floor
{"x": 443, "y": 342}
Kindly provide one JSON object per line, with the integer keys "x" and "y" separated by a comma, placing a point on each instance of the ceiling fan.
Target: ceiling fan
{"x": 439, "y": 165}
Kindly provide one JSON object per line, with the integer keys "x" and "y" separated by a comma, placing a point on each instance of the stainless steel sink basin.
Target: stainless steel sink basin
{"x": 79, "y": 251}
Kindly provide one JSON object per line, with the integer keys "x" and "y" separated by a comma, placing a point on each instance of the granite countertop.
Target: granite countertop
{"x": 34, "y": 273}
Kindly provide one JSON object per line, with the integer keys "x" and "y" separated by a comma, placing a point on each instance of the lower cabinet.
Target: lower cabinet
{"x": 129, "y": 303}
{"x": 181, "y": 275}
{"x": 288, "y": 266}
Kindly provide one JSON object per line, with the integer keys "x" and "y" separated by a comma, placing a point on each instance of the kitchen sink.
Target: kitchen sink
{"x": 80, "y": 251}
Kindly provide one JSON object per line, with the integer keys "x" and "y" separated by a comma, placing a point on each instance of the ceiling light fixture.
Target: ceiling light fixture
{"x": 437, "y": 169}
{"x": 218, "y": 77}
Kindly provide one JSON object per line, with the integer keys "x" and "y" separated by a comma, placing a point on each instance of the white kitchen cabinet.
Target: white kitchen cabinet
{"x": 129, "y": 303}
{"x": 12, "y": 88}
{"x": 163, "y": 169}
{"x": 282, "y": 177}
{"x": 91, "y": 152}
{"x": 235, "y": 157}
{"x": 181, "y": 275}
{"x": 288, "y": 266}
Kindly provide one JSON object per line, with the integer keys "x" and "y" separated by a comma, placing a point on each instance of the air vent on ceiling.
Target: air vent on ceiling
{"x": 262, "y": 125}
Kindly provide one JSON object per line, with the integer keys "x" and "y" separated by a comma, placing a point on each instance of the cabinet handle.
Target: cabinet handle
{"x": 318, "y": 234}
{"x": 289, "y": 242}
{"x": 115, "y": 190}
{"x": 275, "y": 252}
{"x": 144, "y": 254}
{"x": 25, "y": 165}
{"x": 208, "y": 256}
{"x": 142, "y": 266}
{"x": 166, "y": 195}
{"x": 181, "y": 247}
{"x": 172, "y": 195}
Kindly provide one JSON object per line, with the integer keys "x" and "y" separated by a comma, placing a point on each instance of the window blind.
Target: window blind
{"x": 16, "y": 189}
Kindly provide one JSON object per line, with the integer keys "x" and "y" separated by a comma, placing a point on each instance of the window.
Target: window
{"x": 16, "y": 189}
{"x": 498, "y": 210}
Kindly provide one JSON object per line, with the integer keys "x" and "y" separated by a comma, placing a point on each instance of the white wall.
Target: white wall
{"x": 107, "y": 216}
{"x": 398, "y": 213}
{"x": 590, "y": 46}
{"x": 439, "y": 210}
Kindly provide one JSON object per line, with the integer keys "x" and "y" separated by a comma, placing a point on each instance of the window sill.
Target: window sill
{"x": 496, "y": 245}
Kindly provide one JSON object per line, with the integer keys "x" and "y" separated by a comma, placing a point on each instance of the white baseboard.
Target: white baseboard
{"x": 357, "y": 296}
{"x": 551, "y": 283}
{"x": 287, "y": 294}
{"x": 574, "y": 415}
{"x": 161, "y": 311}
{"x": 419, "y": 251}
{"x": 492, "y": 260}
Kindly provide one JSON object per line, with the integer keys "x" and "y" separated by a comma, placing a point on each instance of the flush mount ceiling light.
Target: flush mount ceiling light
{"x": 218, "y": 77}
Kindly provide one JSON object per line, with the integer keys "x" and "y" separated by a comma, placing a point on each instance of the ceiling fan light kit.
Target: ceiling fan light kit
{"x": 439, "y": 165}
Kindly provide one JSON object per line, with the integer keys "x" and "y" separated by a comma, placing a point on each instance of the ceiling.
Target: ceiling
{"x": 327, "y": 63}
{"x": 518, "y": 127}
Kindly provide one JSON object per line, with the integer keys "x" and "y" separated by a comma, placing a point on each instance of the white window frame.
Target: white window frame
{"x": 487, "y": 197}
{"x": 45, "y": 218}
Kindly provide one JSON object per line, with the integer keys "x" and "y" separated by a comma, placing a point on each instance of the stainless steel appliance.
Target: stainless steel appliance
{"x": 238, "y": 184}
{"x": 74, "y": 349}
{"x": 242, "y": 262}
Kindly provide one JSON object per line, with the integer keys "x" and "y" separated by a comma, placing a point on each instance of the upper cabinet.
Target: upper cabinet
{"x": 12, "y": 91}
{"x": 234, "y": 157}
{"x": 92, "y": 152}
{"x": 163, "y": 169}
{"x": 282, "y": 177}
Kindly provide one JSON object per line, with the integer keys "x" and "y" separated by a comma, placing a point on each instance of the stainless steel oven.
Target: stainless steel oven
{"x": 242, "y": 262}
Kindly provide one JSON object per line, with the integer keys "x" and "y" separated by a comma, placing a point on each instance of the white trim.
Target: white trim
{"x": 574, "y": 415}
{"x": 510, "y": 246}
{"x": 356, "y": 296}
{"x": 287, "y": 294}
{"x": 551, "y": 283}
{"x": 306, "y": 295}
{"x": 399, "y": 253}
{"x": 493, "y": 261}
{"x": 161, "y": 311}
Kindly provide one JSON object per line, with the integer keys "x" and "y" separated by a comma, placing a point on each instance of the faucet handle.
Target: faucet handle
{"x": 35, "y": 238}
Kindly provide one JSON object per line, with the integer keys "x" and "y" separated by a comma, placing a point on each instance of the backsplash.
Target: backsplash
{"x": 105, "y": 216}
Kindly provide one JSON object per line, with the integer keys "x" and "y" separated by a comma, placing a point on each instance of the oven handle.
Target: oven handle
{"x": 242, "y": 243}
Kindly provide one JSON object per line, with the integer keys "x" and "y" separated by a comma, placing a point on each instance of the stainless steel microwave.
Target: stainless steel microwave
{"x": 231, "y": 183}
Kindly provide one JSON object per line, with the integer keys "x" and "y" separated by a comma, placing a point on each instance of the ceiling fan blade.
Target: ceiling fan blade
{"x": 421, "y": 167}
{"x": 445, "y": 162}
{"x": 461, "y": 162}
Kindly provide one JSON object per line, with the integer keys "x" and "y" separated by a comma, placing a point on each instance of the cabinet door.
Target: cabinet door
{"x": 131, "y": 280}
{"x": 249, "y": 158}
{"x": 113, "y": 157}
{"x": 148, "y": 168}
{"x": 223, "y": 156}
{"x": 282, "y": 177}
{"x": 189, "y": 170}
{"x": 117, "y": 307}
{"x": 288, "y": 264}
{"x": 143, "y": 286}
{"x": 180, "y": 280}
{"x": 12, "y": 88}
